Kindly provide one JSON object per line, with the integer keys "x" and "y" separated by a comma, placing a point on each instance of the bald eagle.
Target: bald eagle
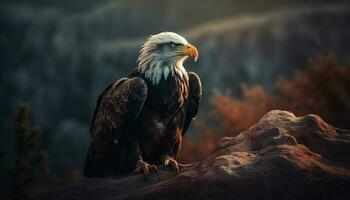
{"x": 140, "y": 120}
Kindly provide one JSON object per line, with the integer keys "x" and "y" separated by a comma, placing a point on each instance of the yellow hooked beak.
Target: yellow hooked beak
{"x": 190, "y": 50}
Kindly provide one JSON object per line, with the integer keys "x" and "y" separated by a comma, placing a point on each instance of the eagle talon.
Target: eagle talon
{"x": 168, "y": 161}
{"x": 142, "y": 166}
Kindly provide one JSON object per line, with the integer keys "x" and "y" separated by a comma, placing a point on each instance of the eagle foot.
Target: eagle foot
{"x": 169, "y": 161}
{"x": 142, "y": 166}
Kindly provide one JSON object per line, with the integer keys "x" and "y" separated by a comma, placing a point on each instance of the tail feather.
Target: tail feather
{"x": 94, "y": 167}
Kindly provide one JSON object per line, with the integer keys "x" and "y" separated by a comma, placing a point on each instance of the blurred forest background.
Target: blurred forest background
{"x": 254, "y": 56}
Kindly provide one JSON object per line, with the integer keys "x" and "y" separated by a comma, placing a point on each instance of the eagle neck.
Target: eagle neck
{"x": 154, "y": 72}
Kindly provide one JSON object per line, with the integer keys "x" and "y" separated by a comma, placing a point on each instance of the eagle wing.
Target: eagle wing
{"x": 116, "y": 109}
{"x": 194, "y": 98}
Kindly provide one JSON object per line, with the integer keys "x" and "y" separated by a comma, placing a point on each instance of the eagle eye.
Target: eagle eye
{"x": 173, "y": 45}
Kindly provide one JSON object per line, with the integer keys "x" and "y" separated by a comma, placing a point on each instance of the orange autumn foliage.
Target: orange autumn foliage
{"x": 238, "y": 114}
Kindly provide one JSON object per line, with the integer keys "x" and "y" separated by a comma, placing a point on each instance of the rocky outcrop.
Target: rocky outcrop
{"x": 281, "y": 157}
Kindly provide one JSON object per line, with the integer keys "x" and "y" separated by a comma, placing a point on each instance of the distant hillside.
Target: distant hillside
{"x": 127, "y": 18}
{"x": 254, "y": 49}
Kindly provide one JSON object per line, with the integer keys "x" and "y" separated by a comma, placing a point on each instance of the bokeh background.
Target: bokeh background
{"x": 255, "y": 56}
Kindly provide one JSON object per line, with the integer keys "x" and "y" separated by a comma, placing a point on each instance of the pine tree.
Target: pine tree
{"x": 28, "y": 155}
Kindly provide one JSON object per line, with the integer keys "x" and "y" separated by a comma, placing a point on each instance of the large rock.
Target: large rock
{"x": 281, "y": 157}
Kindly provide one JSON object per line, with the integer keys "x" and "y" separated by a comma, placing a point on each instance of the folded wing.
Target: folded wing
{"x": 194, "y": 99}
{"x": 116, "y": 109}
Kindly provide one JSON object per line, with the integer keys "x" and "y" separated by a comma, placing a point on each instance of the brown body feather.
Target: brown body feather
{"x": 134, "y": 119}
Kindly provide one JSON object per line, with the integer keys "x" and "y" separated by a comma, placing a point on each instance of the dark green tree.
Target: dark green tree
{"x": 29, "y": 157}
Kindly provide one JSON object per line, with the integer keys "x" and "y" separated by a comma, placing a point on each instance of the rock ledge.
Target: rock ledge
{"x": 280, "y": 157}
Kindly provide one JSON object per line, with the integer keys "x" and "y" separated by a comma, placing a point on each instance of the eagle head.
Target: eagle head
{"x": 164, "y": 53}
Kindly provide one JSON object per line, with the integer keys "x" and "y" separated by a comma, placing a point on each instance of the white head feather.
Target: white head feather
{"x": 155, "y": 63}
